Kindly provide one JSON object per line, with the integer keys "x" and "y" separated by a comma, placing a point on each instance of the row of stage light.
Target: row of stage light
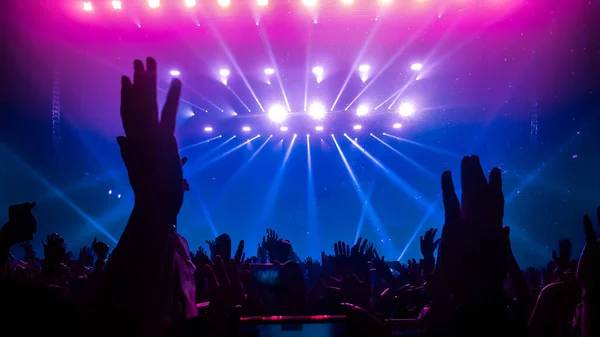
{"x": 318, "y": 128}
{"x": 155, "y": 4}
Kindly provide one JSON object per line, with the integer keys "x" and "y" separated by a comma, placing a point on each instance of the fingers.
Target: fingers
{"x": 126, "y": 105}
{"x": 169, "y": 112}
{"x": 436, "y": 243}
{"x": 184, "y": 160}
{"x": 239, "y": 251}
{"x": 151, "y": 84}
{"x": 496, "y": 197}
{"x": 450, "y": 199}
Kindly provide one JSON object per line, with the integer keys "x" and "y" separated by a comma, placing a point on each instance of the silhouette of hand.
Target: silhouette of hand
{"x": 55, "y": 250}
{"x": 21, "y": 225}
{"x": 429, "y": 244}
{"x": 100, "y": 248}
{"x": 563, "y": 258}
{"x": 149, "y": 148}
{"x": 588, "y": 270}
{"x": 227, "y": 290}
{"x": 212, "y": 247}
{"x": 29, "y": 252}
{"x": 86, "y": 256}
{"x": 471, "y": 260}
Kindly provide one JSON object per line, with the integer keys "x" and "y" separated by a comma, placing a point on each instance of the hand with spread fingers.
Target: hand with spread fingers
{"x": 149, "y": 148}
{"x": 470, "y": 257}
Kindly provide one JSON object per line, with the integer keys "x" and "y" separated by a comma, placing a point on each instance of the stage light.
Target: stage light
{"x": 316, "y": 111}
{"x": 318, "y": 71}
{"x": 153, "y": 3}
{"x": 189, "y": 3}
{"x": 397, "y": 125}
{"x": 385, "y": 2}
{"x": 116, "y": 4}
{"x": 347, "y": 2}
{"x": 269, "y": 71}
{"x": 319, "y": 128}
{"x": 283, "y": 128}
{"x": 119, "y": 196}
{"x": 277, "y": 113}
{"x": 208, "y": 129}
{"x": 246, "y": 128}
{"x": 309, "y": 3}
{"x": 362, "y": 110}
{"x": 416, "y": 66}
{"x": 175, "y": 73}
{"x": 224, "y": 3}
{"x": 87, "y": 6}
{"x": 109, "y": 191}
{"x": 363, "y": 68}
{"x": 357, "y": 127}
{"x": 224, "y": 72}
{"x": 406, "y": 110}
{"x": 262, "y": 3}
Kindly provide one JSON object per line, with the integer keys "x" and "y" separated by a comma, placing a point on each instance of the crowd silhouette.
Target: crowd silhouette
{"x": 150, "y": 284}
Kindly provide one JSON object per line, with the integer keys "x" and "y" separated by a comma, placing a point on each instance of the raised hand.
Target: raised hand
{"x": 227, "y": 288}
{"x": 429, "y": 244}
{"x": 29, "y": 252}
{"x": 563, "y": 258}
{"x": 55, "y": 250}
{"x": 471, "y": 260}
{"x": 149, "y": 148}
{"x": 588, "y": 270}
{"x": 21, "y": 225}
{"x": 240, "y": 256}
{"x": 100, "y": 248}
{"x": 86, "y": 256}
{"x": 588, "y": 275}
{"x": 278, "y": 248}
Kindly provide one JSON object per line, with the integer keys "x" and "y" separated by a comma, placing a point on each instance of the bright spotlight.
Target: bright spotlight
{"x": 277, "y": 113}
{"x": 262, "y": 3}
{"x": 385, "y": 2}
{"x": 317, "y": 71}
{"x": 319, "y": 128}
{"x": 153, "y": 3}
{"x": 116, "y": 4}
{"x": 309, "y": 3}
{"x": 87, "y": 6}
{"x": 357, "y": 127}
{"x": 416, "y": 66}
{"x": 189, "y": 3}
{"x": 317, "y": 111}
{"x": 224, "y": 72}
{"x": 269, "y": 71}
{"x": 397, "y": 125}
{"x": 406, "y": 110}
{"x": 362, "y": 110}
{"x": 224, "y": 3}
{"x": 175, "y": 73}
{"x": 363, "y": 68}
{"x": 283, "y": 128}
{"x": 109, "y": 191}
{"x": 246, "y": 128}
{"x": 347, "y": 2}
{"x": 208, "y": 129}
